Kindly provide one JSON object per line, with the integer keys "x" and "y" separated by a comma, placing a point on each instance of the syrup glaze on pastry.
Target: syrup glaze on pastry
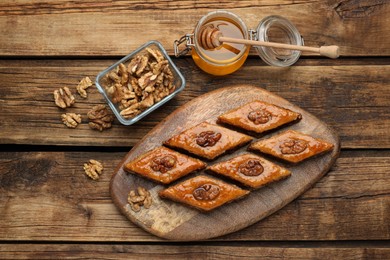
{"x": 291, "y": 146}
{"x": 203, "y": 192}
{"x": 259, "y": 116}
{"x": 164, "y": 165}
{"x": 207, "y": 140}
{"x": 251, "y": 170}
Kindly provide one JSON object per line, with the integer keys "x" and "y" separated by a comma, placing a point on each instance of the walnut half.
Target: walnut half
{"x": 93, "y": 169}
{"x": 71, "y": 120}
{"x": 143, "y": 198}
{"x": 63, "y": 97}
{"x": 100, "y": 118}
{"x": 83, "y": 85}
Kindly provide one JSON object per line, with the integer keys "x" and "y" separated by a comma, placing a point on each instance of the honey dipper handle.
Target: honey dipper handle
{"x": 327, "y": 51}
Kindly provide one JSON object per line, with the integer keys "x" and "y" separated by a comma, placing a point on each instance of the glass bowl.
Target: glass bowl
{"x": 178, "y": 81}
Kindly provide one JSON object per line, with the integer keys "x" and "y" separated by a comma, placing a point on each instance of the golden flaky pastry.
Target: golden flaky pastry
{"x": 251, "y": 170}
{"x": 291, "y": 146}
{"x": 164, "y": 165}
{"x": 259, "y": 117}
{"x": 207, "y": 140}
{"x": 203, "y": 193}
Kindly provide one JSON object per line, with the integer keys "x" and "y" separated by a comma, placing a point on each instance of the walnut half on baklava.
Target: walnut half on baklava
{"x": 203, "y": 192}
{"x": 208, "y": 140}
{"x": 251, "y": 170}
{"x": 259, "y": 117}
{"x": 164, "y": 165}
{"x": 291, "y": 146}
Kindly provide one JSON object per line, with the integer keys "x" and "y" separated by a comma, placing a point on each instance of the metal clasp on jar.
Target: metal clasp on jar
{"x": 252, "y": 35}
{"x": 188, "y": 39}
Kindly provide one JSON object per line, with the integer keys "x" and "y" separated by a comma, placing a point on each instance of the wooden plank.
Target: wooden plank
{"x": 42, "y": 28}
{"x": 46, "y": 196}
{"x": 353, "y": 99}
{"x": 196, "y": 251}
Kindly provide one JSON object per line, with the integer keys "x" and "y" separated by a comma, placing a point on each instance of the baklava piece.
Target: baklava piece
{"x": 164, "y": 165}
{"x": 207, "y": 140}
{"x": 291, "y": 146}
{"x": 251, "y": 170}
{"x": 203, "y": 193}
{"x": 259, "y": 117}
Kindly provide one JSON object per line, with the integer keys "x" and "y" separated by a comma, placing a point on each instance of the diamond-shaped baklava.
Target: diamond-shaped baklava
{"x": 203, "y": 192}
{"x": 207, "y": 140}
{"x": 259, "y": 116}
{"x": 163, "y": 165}
{"x": 292, "y": 146}
{"x": 251, "y": 170}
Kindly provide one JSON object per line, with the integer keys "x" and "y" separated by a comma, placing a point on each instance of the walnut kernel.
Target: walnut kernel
{"x": 293, "y": 146}
{"x": 208, "y": 138}
{"x": 83, "y": 85}
{"x": 163, "y": 164}
{"x": 251, "y": 167}
{"x": 206, "y": 191}
{"x": 259, "y": 116}
{"x": 63, "y": 97}
{"x": 100, "y": 118}
{"x": 71, "y": 120}
{"x": 93, "y": 169}
{"x": 143, "y": 198}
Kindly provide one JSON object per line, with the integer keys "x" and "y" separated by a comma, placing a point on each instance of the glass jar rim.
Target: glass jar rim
{"x": 266, "y": 53}
{"x": 205, "y": 19}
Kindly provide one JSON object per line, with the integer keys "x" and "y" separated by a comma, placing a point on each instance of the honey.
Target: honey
{"x": 228, "y": 57}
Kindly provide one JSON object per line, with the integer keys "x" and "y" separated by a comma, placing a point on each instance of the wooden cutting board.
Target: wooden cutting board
{"x": 174, "y": 221}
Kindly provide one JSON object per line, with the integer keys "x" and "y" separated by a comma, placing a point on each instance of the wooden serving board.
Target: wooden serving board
{"x": 174, "y": 221}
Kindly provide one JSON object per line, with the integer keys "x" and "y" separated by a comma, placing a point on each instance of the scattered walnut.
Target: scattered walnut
{"x": 63, "y": 97}
{"x": 206, "y": 192}
{"x": 259, "y": 116}
{"x": 251, "y": 167}
{"x": 208, "y": 138}
{"x": 71, "y": 120}
{"x": 163, "y": 164}
{"x": 293, "y": 146}
{"x": 83, "y": 85}
{"x": 93, "y": 169}
{"x": 143, "y": 198}
{"x": 146, "y": 80}
{"x": 100, "y": 118}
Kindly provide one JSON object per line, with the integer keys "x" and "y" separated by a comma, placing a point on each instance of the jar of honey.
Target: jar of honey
{"x": 229, "y": 57}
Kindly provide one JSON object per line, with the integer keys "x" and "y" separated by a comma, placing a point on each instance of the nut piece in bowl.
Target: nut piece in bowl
{"x": 140, "y": 82}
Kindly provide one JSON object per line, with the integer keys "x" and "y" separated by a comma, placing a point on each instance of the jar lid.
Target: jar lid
{"x": 278, "y": 29}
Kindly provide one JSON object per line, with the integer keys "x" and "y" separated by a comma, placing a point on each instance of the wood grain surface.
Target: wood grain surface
{"x": 50, "y": 209}
{"x": 177, "y": 222}
{"x": 198, "y": 251}
{"x": 116, "y": 28}
{"x": 45, "y": 196}
{"x": 353, "y": 98}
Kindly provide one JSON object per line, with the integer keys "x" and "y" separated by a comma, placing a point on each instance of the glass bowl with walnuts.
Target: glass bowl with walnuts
{"x": 140, "y": 82}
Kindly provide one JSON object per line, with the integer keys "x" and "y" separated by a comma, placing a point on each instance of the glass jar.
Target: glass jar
{"x": 278, "y": 29}
{"x": 229, "y": 57}
{"x": 222, "y": 60}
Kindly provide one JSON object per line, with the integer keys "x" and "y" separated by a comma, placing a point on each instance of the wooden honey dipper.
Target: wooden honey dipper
{"x": 212, "y": 37}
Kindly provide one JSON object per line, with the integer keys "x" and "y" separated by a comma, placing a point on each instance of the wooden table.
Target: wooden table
{"x": 50, "y": 209}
